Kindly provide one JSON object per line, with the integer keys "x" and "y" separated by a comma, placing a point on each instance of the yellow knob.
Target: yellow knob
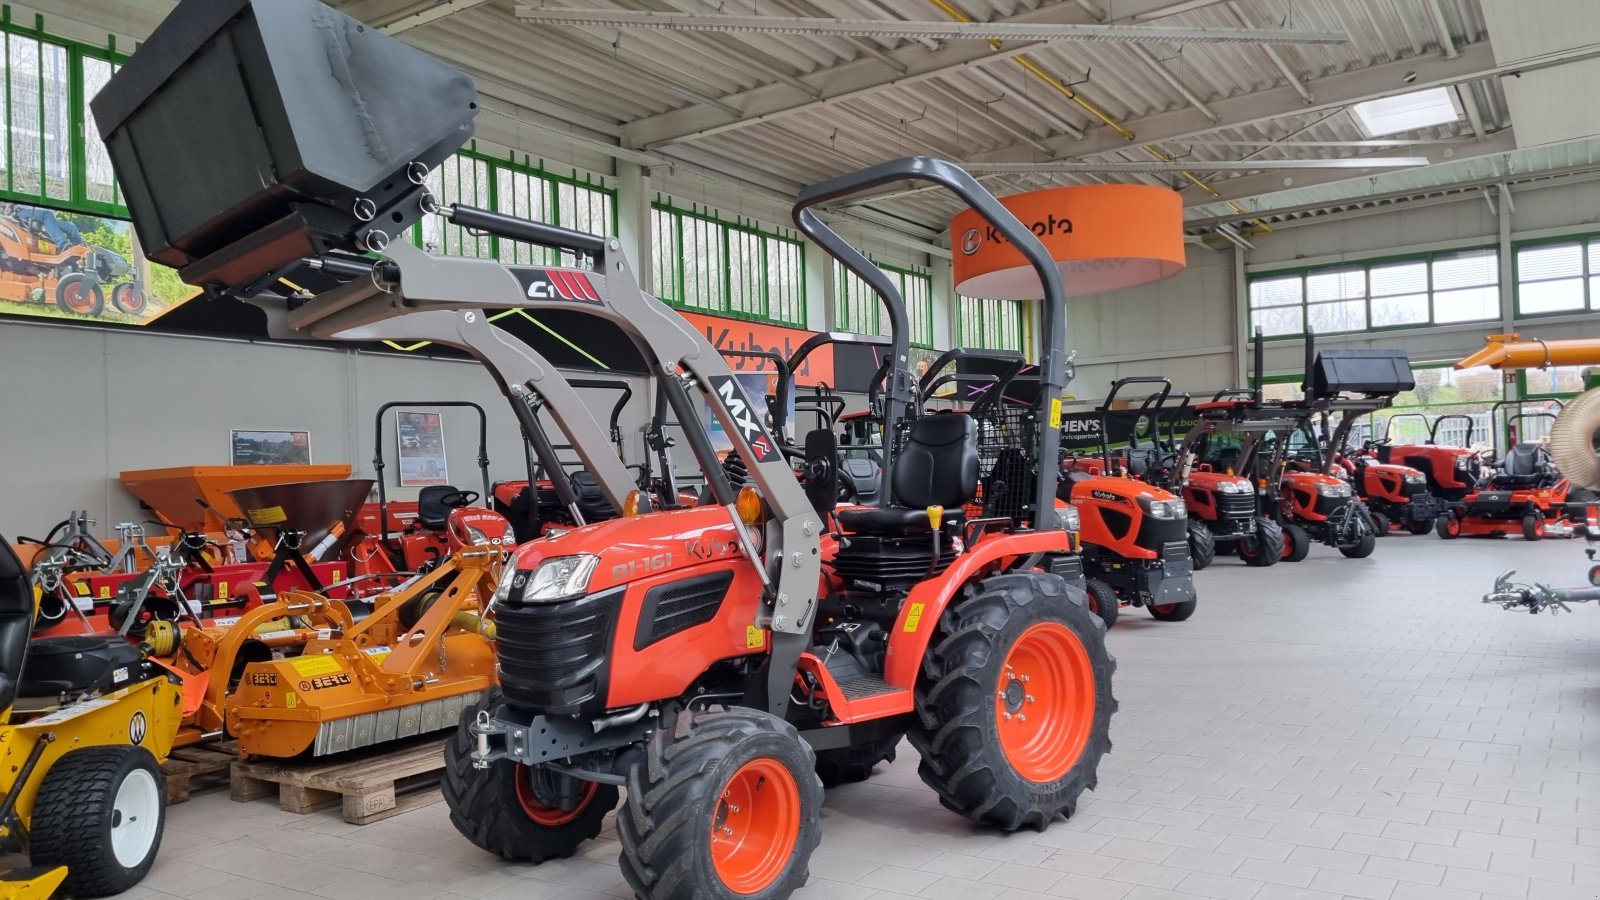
{"x": 935, "y": 516}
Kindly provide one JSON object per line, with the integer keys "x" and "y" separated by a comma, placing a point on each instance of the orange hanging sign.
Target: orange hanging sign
{"x": 1103, "y": 237}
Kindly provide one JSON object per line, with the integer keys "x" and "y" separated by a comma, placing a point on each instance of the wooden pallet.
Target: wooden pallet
{"x": 188, "y": 763}
{"x": 371, "y": 785}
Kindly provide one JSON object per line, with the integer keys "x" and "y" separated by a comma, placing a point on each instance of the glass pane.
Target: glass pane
{"x": 53, "y": 66}
{"x": 1550, "y": 296}
{"x": 1278, "y": 320}
{"x": 1549, "y": 261}
{"x": 784, "y": 300}
{"x": 1468, "y": 305}
{"x": 1276, "y": 291}
{"x": 1594, "y": 292}
{"x": 26, "y": 116}
{"x": 1337, "y": 284}
{"x": 702, "y": 264}
{"x": 1407, "y": 309}
{"x": 1397, "y": 279}
{"x": 1474, "y": 268}
{"x": 664, "y": 254}
{"x": 1344, "y": 315}
{"x": 99, "y": 180}
{"x": 744, "y": 272}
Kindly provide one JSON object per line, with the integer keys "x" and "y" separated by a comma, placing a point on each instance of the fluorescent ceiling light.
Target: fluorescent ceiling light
{"x": 1407, "y": 112}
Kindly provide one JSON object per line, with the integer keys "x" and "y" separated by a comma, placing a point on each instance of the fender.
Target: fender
{"x": 925, "y": 605}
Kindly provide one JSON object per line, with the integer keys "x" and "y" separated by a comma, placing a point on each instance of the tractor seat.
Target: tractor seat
{"x": 1524, "y": 465}
{"x": 432, "y": 514}
{"x": 79, "y": 663}
{"x": 591, "y": 500}
{"x": 938, "y": 467}
{"x": 16, "y": 621}
{"x": 1139, "y": 462}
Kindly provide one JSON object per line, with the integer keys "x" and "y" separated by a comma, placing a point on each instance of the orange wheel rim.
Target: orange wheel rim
{"x": 77, "y": 297}
{"x": 543, "y": 813}
{"x": 755, "y": 826}
{"x": 1165, "y": 608}
{"x": 1044, "y": 702}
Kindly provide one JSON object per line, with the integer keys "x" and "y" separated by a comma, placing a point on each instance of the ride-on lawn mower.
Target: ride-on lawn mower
{"x": 1525, "y": 492}
{"x": 1135, "y": 535}
{"x": 695, "y": 654}
{"x": 85, "y": 723}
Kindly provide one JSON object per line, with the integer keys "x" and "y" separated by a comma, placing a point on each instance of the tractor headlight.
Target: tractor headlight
{"x": 1070, "y": 520}
{"x": 1233, "y": 487}
{"x": 560, "y": 578}
{"x": 1334, "y": 490}
{"x": 1164, "y": 509}
{"x": 1463, "y": 462}
{"x": 475, "y": 536}
{"x": 1416, "y": 478}
{"x": 502, "y": 589}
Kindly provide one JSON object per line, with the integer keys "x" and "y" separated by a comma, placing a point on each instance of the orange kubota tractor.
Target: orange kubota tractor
{"x": 701, "y": 655}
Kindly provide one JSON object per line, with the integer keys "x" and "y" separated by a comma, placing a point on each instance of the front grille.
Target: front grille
{"x": 1327, "y": 506}
{"x": 1236, "y": 506}
{"x": 554, "y": 656}
{"x": 681, "y": 605}
{"x": 1173, "y": 551}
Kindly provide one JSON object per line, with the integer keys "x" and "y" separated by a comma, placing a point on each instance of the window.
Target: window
{"x": 52, "y": 154}
{"x": 858, "y": 309}
{"x": 1429, "y": 289}
{"x": 1558, "y": 276}
{"x": 1407, "y": 112}
{"x": 992, "y": 324}
{"x": 704, "y": 263}
{"x": 516, "y": 189}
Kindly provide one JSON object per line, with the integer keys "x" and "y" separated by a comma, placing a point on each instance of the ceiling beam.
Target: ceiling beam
{"x": 1268, "y": 182}
{"x": 856, "y": 78}
{"x": 428, "y": 14}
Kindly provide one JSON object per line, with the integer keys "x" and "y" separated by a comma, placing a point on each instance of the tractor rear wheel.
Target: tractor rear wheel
{"x": 1296, "y": 542}
{"x": 1014, "y": 704}
{"x": 1421, "y": 526}
{"x": 1265, "y": 548}
{"x": 1103, "y": 601}
{"x": 847, "y": 765}
{"x": 1380, "y": 524}
{"x": 80, "y": 295}
{"x": 1533, "y": 526}
{"x": 100, "y": 811}
{"x": 1448, "y": 526}
{"x": 1202, "y": 545}
{"x": 507, "y": 810}
{"x": 731, "y": 808}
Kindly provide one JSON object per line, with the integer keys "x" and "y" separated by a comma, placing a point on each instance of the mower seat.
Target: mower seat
{"x": 16, "y": 622}
{"x": 432, "y": 514}
{"x": 78, "y": 664}
{"x": 1524, "y": 465}
{"x": 938, "y": 467}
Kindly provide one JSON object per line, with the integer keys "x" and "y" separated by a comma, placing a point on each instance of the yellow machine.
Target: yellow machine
{"x": 84, "y": 725}
{"x": 304, "y": 672}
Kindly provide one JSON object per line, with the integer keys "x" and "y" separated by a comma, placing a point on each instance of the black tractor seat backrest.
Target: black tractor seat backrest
{"x": 939, "y": 465}
{"x": 592, "y": 501}
{"x": 431, "y": 513}
{"x": 16, "y": 621}
{"x": 1525, "y": 461}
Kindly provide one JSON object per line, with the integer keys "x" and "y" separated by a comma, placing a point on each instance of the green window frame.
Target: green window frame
{"x": 52, "y": 154}
{"x": 702, "y": 262}
{"x": 516, "y": 186}
{"x": 1388, "y": 293}
{"x": 1556, "y": 276}
{"x": 857, "y": 308}
{"x": 991, "y": 324}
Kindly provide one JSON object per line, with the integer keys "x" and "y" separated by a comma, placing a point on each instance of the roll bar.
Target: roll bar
{"x": 1433, "y": 430}
{"x": 1053, "y": 315}
{"x": 379, "y": 464}
{"x": 1160, "y": 398}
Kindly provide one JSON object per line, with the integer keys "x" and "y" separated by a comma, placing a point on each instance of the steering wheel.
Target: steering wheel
{"x": 458, "y": 499}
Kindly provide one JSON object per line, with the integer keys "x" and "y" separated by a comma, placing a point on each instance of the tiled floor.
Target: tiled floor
{"x": 1329, "y": 729}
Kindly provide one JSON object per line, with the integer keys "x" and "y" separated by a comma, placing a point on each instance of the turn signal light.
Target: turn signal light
{"x": 630, "y": 504}
{"x": 749, "y": 505}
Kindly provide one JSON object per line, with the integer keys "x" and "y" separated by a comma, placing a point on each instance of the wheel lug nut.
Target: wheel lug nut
{"x": 1008, "y": 717}
{"x": 1021, "y": 717}
{"x": 1025, "y": 679}
{"x": 1030, "y": 698}
{"x": 733, "y": 809}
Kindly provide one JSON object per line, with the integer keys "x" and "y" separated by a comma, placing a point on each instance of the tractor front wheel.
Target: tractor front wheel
{"x": 510, "y": 809}
{"x": 730, "y": 808}
{"x": 1103, "y": 601}
{"x": 80, "y": 295}
{"x": 847, "y": 765}
{"x": 1266, "y": 547}
{"x": 1448, "y": 526}
{"x": 1173, "y": 612}
{"x": 100, "y": 811}
{"x": 1533, "y": 526}
{"x": 1014, "y": 704}
{"x": 129, "y": 297}
{"x": 1296, "y": 543}
{"x": 1362, "y": 548}
{"x": 1202, "y": 545}
{"x": 1380, "y": 524}
{"x": 1420, "y": 526}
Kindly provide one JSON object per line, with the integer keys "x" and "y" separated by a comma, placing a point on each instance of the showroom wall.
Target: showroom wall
{"x": 83, "y": 404}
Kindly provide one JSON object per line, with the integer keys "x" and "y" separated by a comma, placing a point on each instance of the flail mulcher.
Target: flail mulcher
{"x": 711, "y": 657}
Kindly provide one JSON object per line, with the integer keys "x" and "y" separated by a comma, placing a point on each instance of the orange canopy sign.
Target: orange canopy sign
{"x": 1103, "y": 237}
{"x": 737, "y": 334}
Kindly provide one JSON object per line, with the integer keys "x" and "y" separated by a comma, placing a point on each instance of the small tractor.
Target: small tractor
{"x": 710, "y": 657}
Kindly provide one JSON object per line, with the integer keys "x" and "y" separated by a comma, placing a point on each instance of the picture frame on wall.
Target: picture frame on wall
{"x": 420, "y": 436}
{"x": 269, "y": 448}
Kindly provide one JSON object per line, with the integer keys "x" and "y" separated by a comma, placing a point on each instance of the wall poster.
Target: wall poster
{"x": 422, "y": 461}
{"x": 270, "y": 448}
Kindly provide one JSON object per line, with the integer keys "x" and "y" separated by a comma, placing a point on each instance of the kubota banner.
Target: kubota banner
{"x": 737, "y": 334}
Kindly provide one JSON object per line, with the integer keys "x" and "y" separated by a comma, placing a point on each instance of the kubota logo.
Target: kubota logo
{"x": 971, "y": 241}
{"x": 1045, "y": 227}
